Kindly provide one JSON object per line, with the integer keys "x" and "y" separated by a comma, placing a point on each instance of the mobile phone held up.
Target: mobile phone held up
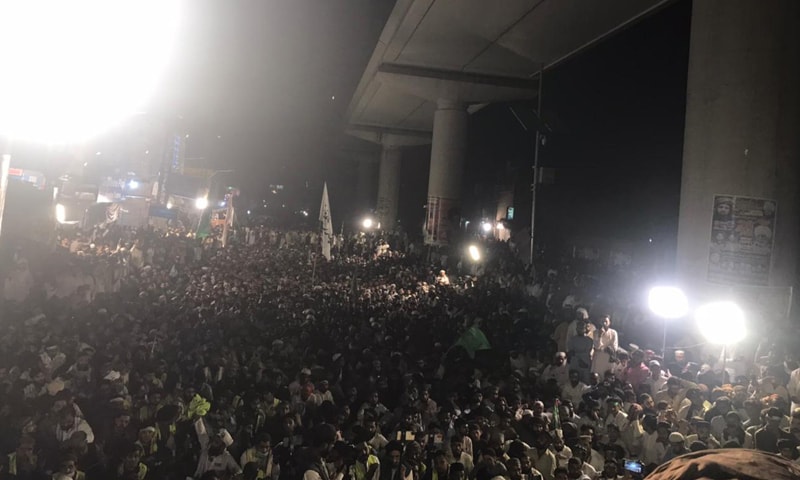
{"x": 634, "y": 466}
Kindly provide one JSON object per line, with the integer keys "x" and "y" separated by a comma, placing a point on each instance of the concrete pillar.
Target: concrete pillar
{"x": 366, "y": 173}
{"x": 389, "y": 186}
{"x": 448, "y": 153}
{"x": 741, "y": 141}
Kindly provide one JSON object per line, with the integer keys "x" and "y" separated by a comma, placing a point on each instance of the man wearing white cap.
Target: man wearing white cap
{"x": 657, "y": 380}
{"x": 677, "y": 447}
{"x": 558, "y": 370}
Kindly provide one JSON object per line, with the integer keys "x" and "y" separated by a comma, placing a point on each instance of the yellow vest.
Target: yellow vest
{"x": 12, "y": 463}
{"x": 360, "y": 470}
{"x": 250, "y": 456}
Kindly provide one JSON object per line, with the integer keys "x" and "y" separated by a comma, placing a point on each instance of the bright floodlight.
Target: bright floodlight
{"x": 73, "y": 69}
{"x": 367, "y": 223}
{"x": 133, "y": 184}
{"x": 721, "y": 322}
{"x": 201, "y": 203}
{"x": 474, "y": 253}
{"x": 668, "y": 302}
{"x": 486, "y": 226}
{"x": 61, "y": 213}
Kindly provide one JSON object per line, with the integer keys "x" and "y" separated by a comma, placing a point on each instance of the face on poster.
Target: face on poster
{"x": 742, "y": 231}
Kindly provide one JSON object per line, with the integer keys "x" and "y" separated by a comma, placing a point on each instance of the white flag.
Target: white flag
{"x": 327, "y": 225}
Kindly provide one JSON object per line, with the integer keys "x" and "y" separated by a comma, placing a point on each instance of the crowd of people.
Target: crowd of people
{"x": 162, "y": 357}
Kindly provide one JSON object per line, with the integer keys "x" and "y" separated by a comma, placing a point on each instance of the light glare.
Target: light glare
{"x": 81, "y": 67}
{"x": 722, "y": 323}
{"x": 474, "y": 253}
{"x": 61, "y": 213}
{"x": 668, "y": 302}
{"x": 486, "y": 226}
{"x": 367, "y": 223}
{"x": 201, "y": 203}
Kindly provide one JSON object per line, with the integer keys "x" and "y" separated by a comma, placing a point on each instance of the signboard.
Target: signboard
{"x": 442, "y": 215}
{"x": 742, "y": 231}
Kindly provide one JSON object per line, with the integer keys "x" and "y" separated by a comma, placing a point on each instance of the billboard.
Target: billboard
{"x": 742, "y": 231}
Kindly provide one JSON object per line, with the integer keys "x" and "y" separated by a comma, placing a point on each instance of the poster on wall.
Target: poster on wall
{"x": 742, "y": 230}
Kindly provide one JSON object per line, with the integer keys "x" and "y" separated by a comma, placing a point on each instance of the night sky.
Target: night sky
{"x": 262, "y": 75}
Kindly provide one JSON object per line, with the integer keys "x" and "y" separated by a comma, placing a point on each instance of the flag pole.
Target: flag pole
{"x": 313, "y": 268}
{"x": 326, "y": 227}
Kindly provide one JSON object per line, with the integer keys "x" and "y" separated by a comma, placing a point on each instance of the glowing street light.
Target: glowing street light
{"x": 669, "y": 303}
{"x": 114, "y": 52}
{"x": 367, "y": 223}
{"x": 474, "y": 253}
{"x": 721, "y": 323}
{"x": 201, "y": 203}
{"x": 109, "y": 79}
{"x": 61, "y": 213}
{"x": 133, "y": 184}
{"x": 486, "y": 227}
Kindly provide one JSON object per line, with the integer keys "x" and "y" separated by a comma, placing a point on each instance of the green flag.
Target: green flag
{"x": 204, "y": 227}
{"x": 473, "y": 340}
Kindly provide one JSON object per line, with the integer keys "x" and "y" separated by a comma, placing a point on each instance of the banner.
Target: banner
{"x": 742, "y": 231}
{"x": 204, "y": 226}
{"x": 112, "y": 212}
{"x": 327, "y": 224}
{"x": 473, "y": 340}
{"x": 442, "y": 216}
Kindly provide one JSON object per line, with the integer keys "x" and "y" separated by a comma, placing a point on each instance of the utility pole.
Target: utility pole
{"x": 536, "y": 163}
